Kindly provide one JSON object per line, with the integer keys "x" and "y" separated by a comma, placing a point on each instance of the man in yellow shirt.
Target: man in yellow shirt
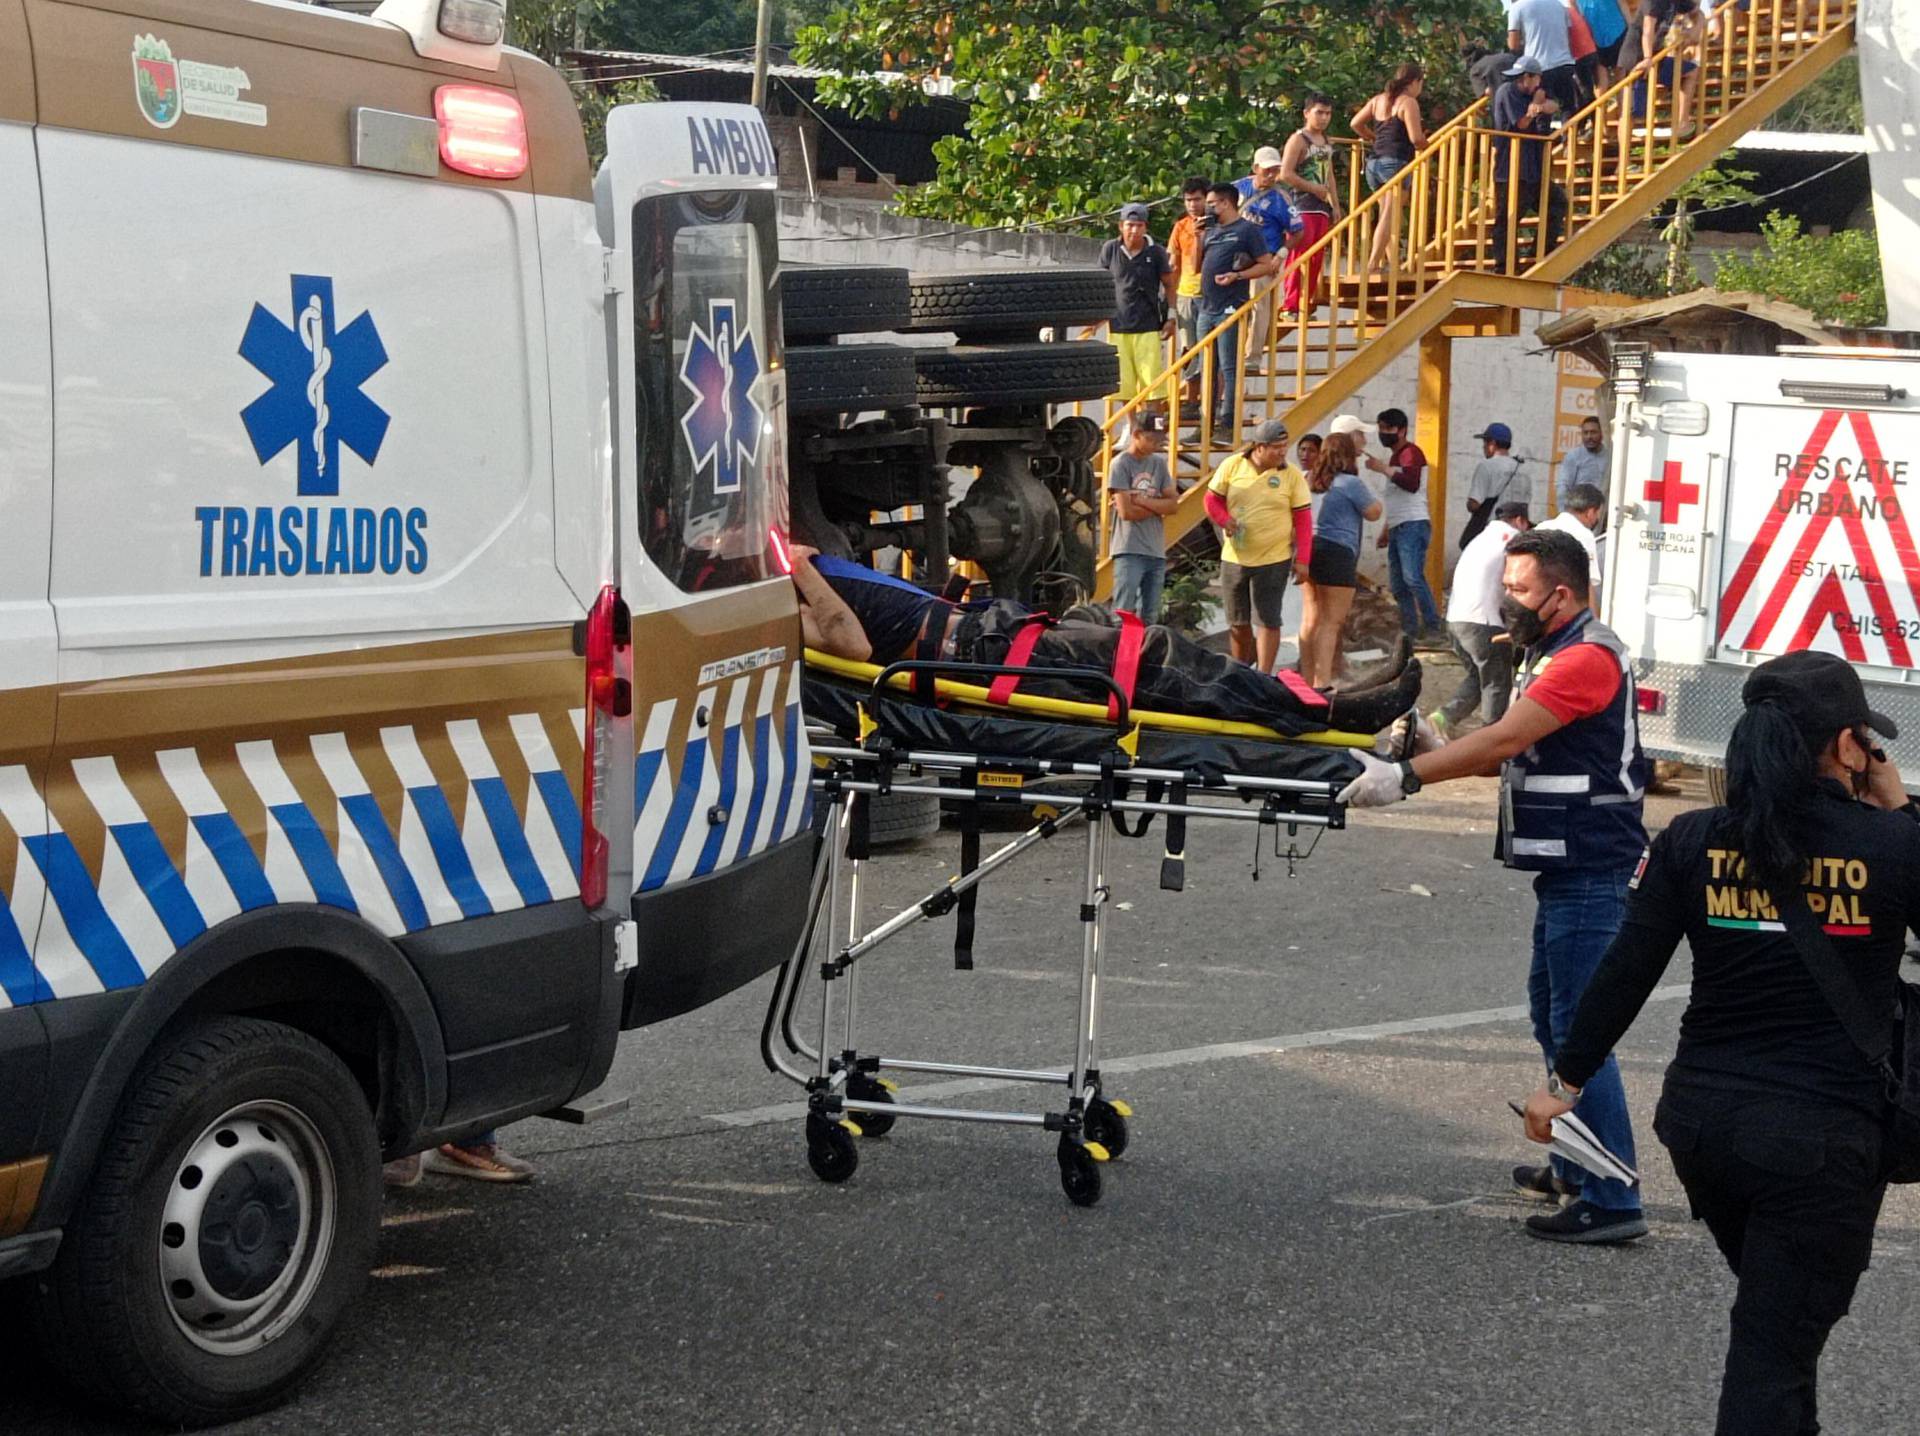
{"x": 1264, "y": 510}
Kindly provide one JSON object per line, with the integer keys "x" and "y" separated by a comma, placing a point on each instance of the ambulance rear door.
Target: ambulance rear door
{"x": 686, "y": 205}
{"x": 1822, "y": 548}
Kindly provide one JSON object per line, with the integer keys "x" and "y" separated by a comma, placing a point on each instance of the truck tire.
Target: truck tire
{"x": 818, "y": 303}
{"x": 231, "y": 1218}
{"x": 1013, "y": 374}
{"x": 849, "y": 378}
{"x": 1008, "y": 303}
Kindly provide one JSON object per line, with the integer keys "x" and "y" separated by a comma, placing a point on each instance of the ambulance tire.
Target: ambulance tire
{"x": 1016, "y": 374}
{"x": 1008, "y": 303}
{"x": 819, "y": 303}
{"x": 277, "y": 1132}
{"x": 849, "y": 378}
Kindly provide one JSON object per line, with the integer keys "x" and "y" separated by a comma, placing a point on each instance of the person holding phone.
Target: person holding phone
{"x": 1773, "y": 1118}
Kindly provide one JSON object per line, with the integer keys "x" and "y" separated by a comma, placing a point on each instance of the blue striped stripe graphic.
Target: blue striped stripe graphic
{"x": 234, "y": 854}
{"x": 564, "y": 812}
{"x": 372, "y": 827}
{"x": 790, "y": 754}
{"x": 443, "y": 833}
{"x": 316, "y": 858}
{"x": 179, "y": 914}
{"x": 93, "y": 931}
{"x": 729, "y": 780}
{"x": 18, "y": 979}
{"x": 762, "y": 761}
{"x": 693, "y": 766}
{"x": 511, "y": 839}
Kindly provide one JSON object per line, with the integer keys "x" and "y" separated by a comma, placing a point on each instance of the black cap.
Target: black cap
{"x": 1820, "y": 691}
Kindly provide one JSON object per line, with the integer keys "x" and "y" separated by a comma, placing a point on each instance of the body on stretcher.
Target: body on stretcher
{"x": 1123, "y": 768}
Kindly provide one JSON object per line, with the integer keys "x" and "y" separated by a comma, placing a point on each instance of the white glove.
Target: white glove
{"x": 1376, "y": 787}
{"x": 1391, "y": 742}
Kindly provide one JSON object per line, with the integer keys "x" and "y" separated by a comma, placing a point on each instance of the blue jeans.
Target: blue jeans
{"x": 1138, "y": 580}
{"x": 1226, "y": 357}
{"x": 1576, "y": 915}
{"x": 1407, "y": 575}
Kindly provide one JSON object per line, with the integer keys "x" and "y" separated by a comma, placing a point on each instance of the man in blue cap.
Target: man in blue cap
{"x": 1143, "y": 285}
{"x": 1497, "y": 478}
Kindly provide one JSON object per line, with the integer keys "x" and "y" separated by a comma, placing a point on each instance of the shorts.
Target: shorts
{"x": 1256, "y": 593}
{"x": 1609, "y": 55}
{"x": 1381, "y": 169}
{"x": 1333, "y": 564}
{"x": 1142, "y": 360}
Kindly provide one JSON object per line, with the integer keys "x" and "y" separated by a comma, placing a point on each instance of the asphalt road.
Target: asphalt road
{"x": 1312, "y": 1231}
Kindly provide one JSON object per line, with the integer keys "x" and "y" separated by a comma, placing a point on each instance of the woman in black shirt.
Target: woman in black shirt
{"x": 1772, "y": 1117}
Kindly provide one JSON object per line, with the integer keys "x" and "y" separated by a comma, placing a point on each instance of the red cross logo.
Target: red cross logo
{"x": 1670, "y": 493}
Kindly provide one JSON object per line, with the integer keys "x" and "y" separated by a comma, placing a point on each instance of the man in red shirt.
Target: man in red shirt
{"x": 1572, "y": 781}
{"x": 1409, "y": 529}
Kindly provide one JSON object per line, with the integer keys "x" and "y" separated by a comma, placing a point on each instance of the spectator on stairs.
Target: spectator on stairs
{"x": 1390, "y": 124}
{"x": 1233, "y": 253}
{"x": 1264, "y": 202}
{"x": 1608, "y": 21}
{"x": 1143, "y": 286}
{"x": 1656, "y": 25}
{"x": 1540, "y": 31}
{"x": 1306, "y": 169}
{"x": 1183, "y": 247}
{"x": 1521, "y": 107}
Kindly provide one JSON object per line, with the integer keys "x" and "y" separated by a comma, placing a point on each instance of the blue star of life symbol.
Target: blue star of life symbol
{"x": 721, "y": 367}
{"x": 315, "y": 402}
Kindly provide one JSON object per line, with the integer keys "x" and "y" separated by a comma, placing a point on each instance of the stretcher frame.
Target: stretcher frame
{"x": 847, "y": 1095}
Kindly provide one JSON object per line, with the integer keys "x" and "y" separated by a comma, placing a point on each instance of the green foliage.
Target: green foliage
{"x": 549, "y": 28}
{"x": 1077, "y": 106}
{"x": 697, "y": 27}
{"x": 1713, "y": 188}
{"x": 1830, "y": 105}
{"x": 1625, "y": 269}
{"x": 1837, "y": 276}
{"x": 1188, "y": 597}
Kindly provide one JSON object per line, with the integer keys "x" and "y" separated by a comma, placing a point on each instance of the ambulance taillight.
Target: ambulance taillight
{"x": 609, "y": 700}
{"x": 1650, "y": 700}
{"x": 482, "y": 131}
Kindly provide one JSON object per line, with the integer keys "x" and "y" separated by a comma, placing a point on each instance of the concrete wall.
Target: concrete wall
{"x": 1889, "y": 33}
{"x": 828, "y": 231}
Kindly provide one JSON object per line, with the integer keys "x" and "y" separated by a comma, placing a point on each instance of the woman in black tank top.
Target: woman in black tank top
{"x": 1390, "y": 123}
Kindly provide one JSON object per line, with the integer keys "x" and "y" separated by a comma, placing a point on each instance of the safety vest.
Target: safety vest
{"x": 1574, "y": 799}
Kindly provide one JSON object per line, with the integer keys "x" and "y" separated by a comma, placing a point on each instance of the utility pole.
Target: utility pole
{"x": 762, "y": 33}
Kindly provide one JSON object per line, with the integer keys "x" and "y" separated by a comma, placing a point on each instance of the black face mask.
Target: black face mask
{"x": 1524, "y": 625}
{"x": 1388, "y": 439}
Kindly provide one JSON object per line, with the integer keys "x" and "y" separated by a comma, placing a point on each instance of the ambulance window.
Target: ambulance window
{"x": 709, "y": 409}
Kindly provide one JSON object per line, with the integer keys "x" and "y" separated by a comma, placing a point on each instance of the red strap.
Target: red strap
{"x": 1017, "y": 656}
{"x": 1126, "y": 659}
{"x": 1301, "y": 689}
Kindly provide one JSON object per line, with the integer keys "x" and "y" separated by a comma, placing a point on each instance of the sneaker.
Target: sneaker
{"x": 1538, "y": 1184}
{"x": 1434, "y": 638}
{"x": 401, "y": 1172}
{"x": 486, "y": 1163}
{"x": 1584, "y": 1223}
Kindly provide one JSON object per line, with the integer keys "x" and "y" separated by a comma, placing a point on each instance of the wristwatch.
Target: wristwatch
{"x": 1560, "y": 1091}
{"x": 1409, "y": 780}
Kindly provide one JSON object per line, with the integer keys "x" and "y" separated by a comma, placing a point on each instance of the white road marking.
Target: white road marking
{"x": 1192, "y": 1056}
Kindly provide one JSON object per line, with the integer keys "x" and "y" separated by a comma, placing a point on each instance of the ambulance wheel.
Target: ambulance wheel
{"x": 1104, "y": 1124}
{"x": 850, "y": 378}
{"x": 842, "y": 299}
{"x": 231, "y": 1218}
{"x": 1016, "y": 374}
{"x": 864, "y": 1088}
{"x": 1079, "y": 1173}
{"x": 997, "y": 304}
{"x": 830, "y": 1150}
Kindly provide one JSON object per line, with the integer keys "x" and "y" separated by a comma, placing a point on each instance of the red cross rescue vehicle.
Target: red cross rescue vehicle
{"x": 398, "y": 683}
{"x": 1762, "y": 504}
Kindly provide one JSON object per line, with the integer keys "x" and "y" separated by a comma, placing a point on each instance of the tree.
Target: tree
{"x": 1077, "y": 106}
{"x": 550, "y": 28}
{"x": 1837, "y": 276}
{"x": 697, "y": 27}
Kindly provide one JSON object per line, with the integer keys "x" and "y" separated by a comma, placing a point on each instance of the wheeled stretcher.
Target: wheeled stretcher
{"x": 936, "y": 729}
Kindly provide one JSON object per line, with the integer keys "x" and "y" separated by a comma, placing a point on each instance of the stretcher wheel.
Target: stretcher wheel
{"x": 830, "y": 1150}
{"x": 863, "y": 1088}
{"x": 1106, "y": 1124}
{"x": 1079, "y": 1173}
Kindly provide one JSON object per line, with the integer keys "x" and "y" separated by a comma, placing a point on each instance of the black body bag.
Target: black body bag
{"x": 1891, "y": 1048}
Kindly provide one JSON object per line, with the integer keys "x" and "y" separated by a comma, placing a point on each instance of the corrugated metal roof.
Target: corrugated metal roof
{"x": 655, "y": 60}
{"x": 1794, "y": 142}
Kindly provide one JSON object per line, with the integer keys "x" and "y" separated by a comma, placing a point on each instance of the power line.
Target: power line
{"x": 827, "y": 125}
{"x": 1763, "y": 198}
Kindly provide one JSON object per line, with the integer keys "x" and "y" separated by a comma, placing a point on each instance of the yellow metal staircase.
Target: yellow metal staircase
{"x": 1459, "y": 271}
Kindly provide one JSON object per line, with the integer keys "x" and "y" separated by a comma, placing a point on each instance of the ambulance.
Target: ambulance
{"x": 1763, "y": 504}
{"x": 398, "y": 677}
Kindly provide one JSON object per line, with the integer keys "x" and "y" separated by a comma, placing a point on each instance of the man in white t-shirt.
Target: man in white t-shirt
{"x": 1474, "y": 623}
{"x": 1539, "y": 30}
{"x": 1580, "y": 516}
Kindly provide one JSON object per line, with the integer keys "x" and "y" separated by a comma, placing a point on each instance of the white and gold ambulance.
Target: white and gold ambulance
{"x": 398, "y": 688}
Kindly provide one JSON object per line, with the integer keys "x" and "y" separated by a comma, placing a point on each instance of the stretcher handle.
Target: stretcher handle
{"x": 996, "y": 670}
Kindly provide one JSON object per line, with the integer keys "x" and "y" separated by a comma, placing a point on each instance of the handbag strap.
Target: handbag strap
{"x": 1872, "y": 1035}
